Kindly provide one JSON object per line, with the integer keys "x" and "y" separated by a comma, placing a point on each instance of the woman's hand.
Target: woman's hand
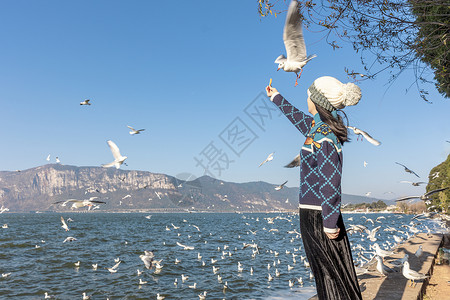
{"x": 270, "y": 91}
{"x": 333, "y": 236}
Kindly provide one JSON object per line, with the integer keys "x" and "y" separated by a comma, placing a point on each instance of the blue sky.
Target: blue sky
{"x": 186, "y": 73}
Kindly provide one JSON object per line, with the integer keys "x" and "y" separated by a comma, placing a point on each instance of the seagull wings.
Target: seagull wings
{"x": 370, "y": 139}
{"x": 294, "y": 163}
{"x": 434, "y": 191}
{"x": 114, "y": 149}
{"x": 293, "y": 34}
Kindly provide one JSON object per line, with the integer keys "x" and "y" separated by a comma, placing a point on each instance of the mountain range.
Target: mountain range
{"x": 37, "y": 189}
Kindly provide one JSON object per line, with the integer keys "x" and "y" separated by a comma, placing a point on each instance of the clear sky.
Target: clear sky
{"x": 191, "y": 73}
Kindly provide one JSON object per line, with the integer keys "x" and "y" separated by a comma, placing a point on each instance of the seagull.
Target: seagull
{"x": 294, "y": 163}
{"x": 85, "y": 102}
{"x": 94, "y": 266}
{"x": 184, "y": 278}
{"x": 4, "y": 275}
{"x": 48, "y": 158}
{"x": 371, "y": 234}
{"x": 269, "y": 158}
{"x": 147, "y": 258}
{"x": 185, "y": 247}
{"x": 365, "y": 164}
{"x": 422, "y": 197}
{"x": 141, "y": 281}
{"x": 159, "y": 297}
{"x": 118, "y": 158}
{"x": 64, "y": 225}
{"x": 399, "y": 262}
{"x": 202, "y": 296}
{"x": 113, "y": 269}
{"x": 134, "y": 131}
{"x": 57, "y": 160}
{"x": 407, "y": 170}
{"x": 86, "y": 297}
{"x": 294, "y": 43}
{"x": 69, "y": 239}
{"x": 380, "y": 252}
{"x": 78, "y": 203}
{"x": 383, "y": 269}
{"x": 280, "y": 186}
{"x": 364, "y": 134}
{"x": 413, "y": 183}
{"x": 3, "y": 209}
{"x": 419, "y": 251}
{"x": 412, "y": 275}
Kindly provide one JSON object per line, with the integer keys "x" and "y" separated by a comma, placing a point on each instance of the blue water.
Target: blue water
{"x": 102, "y": 237}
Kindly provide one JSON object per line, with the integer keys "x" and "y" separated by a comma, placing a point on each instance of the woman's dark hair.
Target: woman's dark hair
{"x": 336, "y": 124}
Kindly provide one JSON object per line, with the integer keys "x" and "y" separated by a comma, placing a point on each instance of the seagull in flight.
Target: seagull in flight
{"x": 294, "y": 43}
{"x": 269, "y": 158}
{"x": 48, "y": 158}
{"x": 85, "y": 102}
{"x": 118, "y": 158}
{"x": 64, "y": 224}
{"x": 281, "y": 186}
{"x": 147, "y": 258}
{"x": 185, "y": 247}
{"x": 134, "y": 131}
{"x": 79, "y": 203}
{"x": 423, "y": 197}
{"x": 407, "y": 170}
{"x": 294, "y": 163}
{"x": 413, "y": 183}
{"x": 364, "y": 134}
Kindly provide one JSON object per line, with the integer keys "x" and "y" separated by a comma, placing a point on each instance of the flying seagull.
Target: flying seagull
{"x": 48, "y": 158}
{"x": 407, "y": 170}
{"x": 118, "y": 158}
{"x": 269, "y": 158}
{"x": 422, "y": 197}
{"x": 364, "y": 134}
{"x": 294, "y": 43}
{"x": 85, "y": 102}
{"x": 413, "y": 183}
{"x": 64, "y": 224}
{"x": 134, "y": 131}
{"x": 294, "y": 163}
{"x": 78, "y": 203}
{"x": 185, "y": 247}
{"x": 147, "y": 258}
{"x": 281, "y": 186}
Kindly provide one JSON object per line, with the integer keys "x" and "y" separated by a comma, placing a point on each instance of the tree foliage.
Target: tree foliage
{"x": 439, "y": 177}
{"x": 389, "y": 35}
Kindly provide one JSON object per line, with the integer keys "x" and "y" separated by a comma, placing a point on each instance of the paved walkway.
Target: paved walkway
{"x": 395, "y": 286}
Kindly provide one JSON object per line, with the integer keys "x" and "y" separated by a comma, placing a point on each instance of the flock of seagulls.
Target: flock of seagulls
{"x": 243, "y": 252}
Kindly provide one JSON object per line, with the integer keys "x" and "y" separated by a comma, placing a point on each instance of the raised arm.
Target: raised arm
{"x": 329, "y": 166}
{"x": 300, "y": 120}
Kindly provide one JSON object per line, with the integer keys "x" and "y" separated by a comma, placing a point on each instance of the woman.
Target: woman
{"x": 324, "y": 237}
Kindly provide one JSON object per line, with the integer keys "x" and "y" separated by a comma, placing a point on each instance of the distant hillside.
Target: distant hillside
{"x": 128, "y": 190}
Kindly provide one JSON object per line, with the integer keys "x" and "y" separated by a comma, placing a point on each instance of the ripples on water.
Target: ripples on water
{"x": 101, "y": 237}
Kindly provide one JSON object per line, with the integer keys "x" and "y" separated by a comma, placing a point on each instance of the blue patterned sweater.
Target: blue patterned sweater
{"x": 321, "y": 164}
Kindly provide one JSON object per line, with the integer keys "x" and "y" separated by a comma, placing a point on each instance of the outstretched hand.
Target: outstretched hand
{"x": 270, "y": 91}
{"x": 333, "y": 236}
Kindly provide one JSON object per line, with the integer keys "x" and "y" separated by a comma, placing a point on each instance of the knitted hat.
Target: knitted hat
{"x": 331, "y": 94}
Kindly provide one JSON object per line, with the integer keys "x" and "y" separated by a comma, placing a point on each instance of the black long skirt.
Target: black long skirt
{"x": 330, "y": 260}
